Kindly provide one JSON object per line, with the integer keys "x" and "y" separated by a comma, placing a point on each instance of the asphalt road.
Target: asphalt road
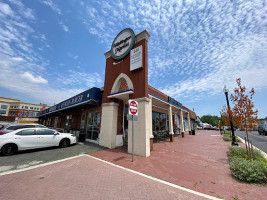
{"x": 24, "y": 159}
{"x": 258, "y": 141}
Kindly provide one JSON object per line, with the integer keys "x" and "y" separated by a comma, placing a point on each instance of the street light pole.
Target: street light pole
{"x": 234, "y": 143}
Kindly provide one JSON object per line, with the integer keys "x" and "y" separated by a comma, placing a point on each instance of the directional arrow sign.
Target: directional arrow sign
{"x": 133, "y": 107}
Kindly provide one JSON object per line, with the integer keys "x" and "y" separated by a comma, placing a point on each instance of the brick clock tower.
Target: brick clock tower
{"x": 126, "y": 77}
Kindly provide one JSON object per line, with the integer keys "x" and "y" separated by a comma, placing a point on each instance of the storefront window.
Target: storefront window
{"x": 3, "y": 106}
{"x": 68, "y": 122}
{"x": 186, "y": 123}
{"x": 93, "y": 123}
{"x": 179, "y": 121}
{"x": 125, "y": 121}
{"x": 160, "y": 121}
{"x": 2, "y": 112}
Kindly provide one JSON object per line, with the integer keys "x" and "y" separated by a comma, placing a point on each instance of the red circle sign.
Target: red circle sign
{"x": 133, "y": 108}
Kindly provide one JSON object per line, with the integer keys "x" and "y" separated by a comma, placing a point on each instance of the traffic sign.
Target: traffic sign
{"x": 133, "y": 107}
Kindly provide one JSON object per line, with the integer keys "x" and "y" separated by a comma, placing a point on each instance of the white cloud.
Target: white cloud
{"x": 65, "y": 28}
{"x": 19, "y": 59}
{"x": 81, "y": 79}
{"x": 5, "y": 9}
{"x": 29, "y": 77}
{"x": 25, "y": 12}
{"x": 197, "y": 46}
{"x": 53, "y": 6}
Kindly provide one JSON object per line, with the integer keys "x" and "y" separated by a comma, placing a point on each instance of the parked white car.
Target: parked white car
{"x": 33, "y": 138}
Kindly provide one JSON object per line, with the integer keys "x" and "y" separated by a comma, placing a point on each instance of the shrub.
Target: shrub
{"x": 237, "y": 152}
{"x": 228, "y": 137}
{"x": 225, "y": 132}
{"x": 258, "y": 156}
{"x": 249, "y": 171}
{"x": 244, "y": 169}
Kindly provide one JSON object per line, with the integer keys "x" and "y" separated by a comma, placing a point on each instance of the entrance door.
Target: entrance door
{"x": 92, "y": 129}
{"x": 82, "y": 121}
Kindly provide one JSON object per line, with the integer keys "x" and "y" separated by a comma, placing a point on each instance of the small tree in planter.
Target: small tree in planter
{"x": 243, "y": 114}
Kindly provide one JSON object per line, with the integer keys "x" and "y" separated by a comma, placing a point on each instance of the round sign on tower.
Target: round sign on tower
{"x": 122, "y": 44}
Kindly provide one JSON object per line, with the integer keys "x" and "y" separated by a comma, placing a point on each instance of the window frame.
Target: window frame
{"x": 34, "y": 132}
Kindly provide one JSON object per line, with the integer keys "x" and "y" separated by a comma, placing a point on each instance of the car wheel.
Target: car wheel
{"x": 9, "y": 149}
{"x": 64, "y": 143}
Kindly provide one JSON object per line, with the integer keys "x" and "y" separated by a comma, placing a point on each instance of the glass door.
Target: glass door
{"x": 82, "y": 121}
{"x": 93, "y": 123}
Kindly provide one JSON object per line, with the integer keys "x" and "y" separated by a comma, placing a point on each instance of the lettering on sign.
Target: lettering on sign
{"x": 122, "y": 44}
{"x": 133, "y": 107}
{"x": 173, "y": 101}
{"x": 71, "y": 101}
{"x": 119, "y": 46}
{"x": 136, "y": 58}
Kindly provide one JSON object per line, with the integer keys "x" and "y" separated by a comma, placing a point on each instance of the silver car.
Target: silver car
{"x": 262, "y": 129}
{"x": 33, "y": 138}
{"x": 12, "y": 127}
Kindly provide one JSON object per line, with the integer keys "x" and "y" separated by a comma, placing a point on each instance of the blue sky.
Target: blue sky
{"x": 52, "y": 50}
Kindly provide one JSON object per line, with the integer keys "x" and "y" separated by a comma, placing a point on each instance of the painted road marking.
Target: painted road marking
{"x": 36, "y": 166}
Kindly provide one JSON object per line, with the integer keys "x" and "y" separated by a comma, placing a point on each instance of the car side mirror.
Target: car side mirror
{"x": 56, "y": 133}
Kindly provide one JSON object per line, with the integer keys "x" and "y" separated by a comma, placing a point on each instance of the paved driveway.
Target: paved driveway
{"x": 197, "y": 162}
{"x": 85, "y": 177}
{"x": 29, "y": 158}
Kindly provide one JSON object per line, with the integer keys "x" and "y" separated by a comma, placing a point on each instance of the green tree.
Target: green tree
{"x": 213, "y": 120}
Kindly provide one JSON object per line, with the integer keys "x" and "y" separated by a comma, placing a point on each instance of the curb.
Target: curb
{"x": 263, "y": 153}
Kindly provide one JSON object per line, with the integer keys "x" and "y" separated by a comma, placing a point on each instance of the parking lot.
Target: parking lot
{"x": 30, "y": 158}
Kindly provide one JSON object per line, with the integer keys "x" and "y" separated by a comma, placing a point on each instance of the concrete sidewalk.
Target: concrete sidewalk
{"x": 198, "y": 162}
{"x": 86, "y": 177}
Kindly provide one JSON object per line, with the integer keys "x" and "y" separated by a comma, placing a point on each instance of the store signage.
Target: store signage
{"x": 136, "y": 58}
{"x": 133, "y": 107}
{"x": 174, "y": 102}
{"x": 122, "y": 44}
{"x": 93, "y": 95}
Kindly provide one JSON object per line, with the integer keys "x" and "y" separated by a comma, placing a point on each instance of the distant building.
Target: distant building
{"x": 23, "y": 112}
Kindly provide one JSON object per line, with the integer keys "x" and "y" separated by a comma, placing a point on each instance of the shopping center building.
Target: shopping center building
{"x": 101, "y": 113}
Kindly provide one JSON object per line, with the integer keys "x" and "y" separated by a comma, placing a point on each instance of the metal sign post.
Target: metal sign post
{"x": 132, "y": 138}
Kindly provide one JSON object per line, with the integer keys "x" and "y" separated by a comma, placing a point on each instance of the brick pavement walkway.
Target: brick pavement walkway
{"x": 85, "y": 178}
{"x": 196, "y": 162}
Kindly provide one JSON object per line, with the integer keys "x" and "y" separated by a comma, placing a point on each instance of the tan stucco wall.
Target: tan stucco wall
{"x": 108, "y": 132}
{"x": 142, "y": 129}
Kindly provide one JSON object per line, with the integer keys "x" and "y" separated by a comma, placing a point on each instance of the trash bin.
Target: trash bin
{"x": 81, "y": 137}
{"x": 193, "y": 132}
